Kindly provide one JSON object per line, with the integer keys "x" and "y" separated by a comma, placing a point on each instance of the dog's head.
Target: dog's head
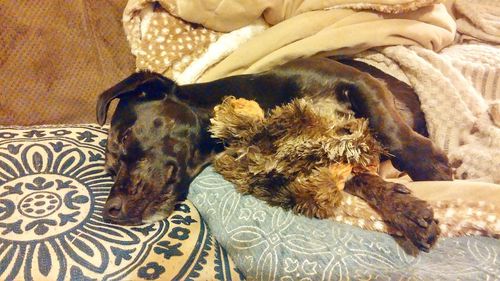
{"x": 150, "y": 149}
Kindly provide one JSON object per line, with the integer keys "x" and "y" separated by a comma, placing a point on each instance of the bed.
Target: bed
{"x": 53, "y": 186}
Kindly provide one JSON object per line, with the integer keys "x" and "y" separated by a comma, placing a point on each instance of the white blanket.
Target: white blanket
{"x": 459, "y": 92}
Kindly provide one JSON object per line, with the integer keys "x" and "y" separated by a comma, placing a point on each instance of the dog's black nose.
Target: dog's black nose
{"x": 113, "y": 209}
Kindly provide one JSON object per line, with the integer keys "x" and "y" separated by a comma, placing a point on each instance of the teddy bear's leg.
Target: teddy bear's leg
{"x": 319, "y": 193}
{"x": 411, "y": 216}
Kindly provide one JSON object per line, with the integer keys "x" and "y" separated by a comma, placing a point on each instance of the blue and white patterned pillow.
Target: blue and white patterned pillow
{"x": 52, "y": 191}
{"x": 268, "y": 243}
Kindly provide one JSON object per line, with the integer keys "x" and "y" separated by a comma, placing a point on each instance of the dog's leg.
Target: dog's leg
{"x": 403, "y": 211}
{"x": 411, "y": 152}
{"x": 405, "y": 98}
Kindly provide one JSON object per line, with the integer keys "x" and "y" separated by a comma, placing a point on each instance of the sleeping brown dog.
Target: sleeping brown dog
{"x": 159, "y": 140}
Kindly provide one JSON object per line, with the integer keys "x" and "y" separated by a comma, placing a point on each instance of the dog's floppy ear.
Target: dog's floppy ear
{"x": 154, "y": 85}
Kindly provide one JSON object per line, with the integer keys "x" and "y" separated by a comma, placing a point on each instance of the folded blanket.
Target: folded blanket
{"x": 337, "y": 32}
{"x": 324, "y": 29}
{"x": 228, "y": 15}
{"x": 477, "y": 20}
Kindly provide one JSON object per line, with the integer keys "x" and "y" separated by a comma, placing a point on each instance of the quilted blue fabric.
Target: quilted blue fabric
{"x": 268, "y": 243}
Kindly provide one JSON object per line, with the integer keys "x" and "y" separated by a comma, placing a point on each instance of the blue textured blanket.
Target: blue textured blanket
{"x": 268, "y": 243}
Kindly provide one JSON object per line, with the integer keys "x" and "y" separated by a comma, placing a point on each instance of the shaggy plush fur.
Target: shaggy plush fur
{"x": 298, "y": 156}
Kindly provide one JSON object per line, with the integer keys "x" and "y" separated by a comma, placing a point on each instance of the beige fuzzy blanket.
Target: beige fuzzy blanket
{"x": 458, "y": 87}
{"x": 229, "y": 15}
{"x": 292, "y": 29}
{"x": 477, "y": 20}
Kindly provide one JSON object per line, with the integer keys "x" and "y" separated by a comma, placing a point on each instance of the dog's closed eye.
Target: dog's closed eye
{"x": 111, "y": 172}
{"x": 126, "y": 136}
{"x": 136, "y": 187}
{"x": 170, "y": 173}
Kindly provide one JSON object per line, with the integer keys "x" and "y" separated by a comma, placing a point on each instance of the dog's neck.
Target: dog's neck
{"x": 204, "y": 111}
{"x": 207, "y": 147}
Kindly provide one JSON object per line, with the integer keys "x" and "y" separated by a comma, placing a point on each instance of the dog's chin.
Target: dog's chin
{"x": 160, "y": 213}
{"x": 127, "y": 222}
{"x": 156, "y": 217}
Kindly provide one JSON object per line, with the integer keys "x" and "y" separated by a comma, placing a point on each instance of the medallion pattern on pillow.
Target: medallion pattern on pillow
{"x": 52, "y": 190}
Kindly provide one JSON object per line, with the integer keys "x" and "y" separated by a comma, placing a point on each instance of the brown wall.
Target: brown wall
{"x": 57, "y": 56}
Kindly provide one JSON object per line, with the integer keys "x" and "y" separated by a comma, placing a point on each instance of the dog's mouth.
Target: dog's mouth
{"x": 158, "y": 212}
{"x": 126, "y": 222}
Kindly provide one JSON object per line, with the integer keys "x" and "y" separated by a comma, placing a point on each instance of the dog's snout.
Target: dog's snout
{"x": 113, "y": 209}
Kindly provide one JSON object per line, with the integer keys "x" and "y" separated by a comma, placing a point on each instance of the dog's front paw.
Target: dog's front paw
{"x": 413, "y": 217}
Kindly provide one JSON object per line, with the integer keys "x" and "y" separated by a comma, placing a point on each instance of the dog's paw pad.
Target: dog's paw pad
{"x": 414, "y": 218}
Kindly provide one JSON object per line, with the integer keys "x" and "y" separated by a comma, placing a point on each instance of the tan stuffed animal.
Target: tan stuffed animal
{"x": 298, "y": 156}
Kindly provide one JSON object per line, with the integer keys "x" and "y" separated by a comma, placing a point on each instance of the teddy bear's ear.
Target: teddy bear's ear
{"x": 236, "y": 119}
